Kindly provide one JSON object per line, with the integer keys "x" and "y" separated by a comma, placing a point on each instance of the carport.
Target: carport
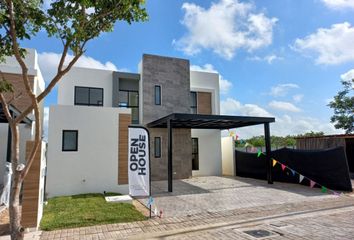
{"x": 14, "y": 113}
{"x": 221, "y": 122}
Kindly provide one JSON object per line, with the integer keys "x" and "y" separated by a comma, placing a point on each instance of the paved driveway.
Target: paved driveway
{"x": 214, "y": 194}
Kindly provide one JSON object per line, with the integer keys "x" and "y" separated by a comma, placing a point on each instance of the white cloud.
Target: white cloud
{"x": 269, "y": 58}
{"x": 282, "y": 89}
{"x": 231, "y": 106}
{"x": 284, "y": 106}
{"x": 284, "y": 124}
{"x": 348, "y": 76}
{"x": 298, "y": 98}
{"x": 332, "y": 45}
{"x": 339, "y": 4}
{"x": 225, "y": 85}
{"x": 225, "y": 27}
{"x": 49, "y": 61}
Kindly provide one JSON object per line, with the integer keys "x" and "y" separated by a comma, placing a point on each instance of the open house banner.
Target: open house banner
{"x": 138, "y": 161}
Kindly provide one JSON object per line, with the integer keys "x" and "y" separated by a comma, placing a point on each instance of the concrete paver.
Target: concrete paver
{"x": 255, "y": 204}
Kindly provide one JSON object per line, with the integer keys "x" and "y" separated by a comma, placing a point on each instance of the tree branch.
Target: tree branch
{"x": 5, "y": 108}
{"x": 28, "y": 88}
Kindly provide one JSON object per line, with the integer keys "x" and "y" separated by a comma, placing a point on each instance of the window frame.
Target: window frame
{"x": 158, "y": 103}
{"x": 197, "y": 154}
{"x": 196, "y": 102}
{"x": 89, "y": 96}
{"x": 63, "y": 139}
{"x": 157, "y": 155}
{"x": 128, "y": 103}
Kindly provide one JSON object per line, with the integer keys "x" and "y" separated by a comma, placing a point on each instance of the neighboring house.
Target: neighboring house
{"x": 88, "y": 145}
{"x": 33, "y": 188}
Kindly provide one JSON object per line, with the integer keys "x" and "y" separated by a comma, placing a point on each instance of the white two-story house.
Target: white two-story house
{"x": 88, "y": 145}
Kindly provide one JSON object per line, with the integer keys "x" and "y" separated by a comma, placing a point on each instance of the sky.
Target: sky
{"x": 280, "y": 58}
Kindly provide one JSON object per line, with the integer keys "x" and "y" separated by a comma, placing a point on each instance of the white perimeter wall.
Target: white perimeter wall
{"x": 228, "y": 156}
{"x": 209, "y": 152}
{"x": 94, "y": 167}
{"x": 207, "y": 82}
{"x": 85, "y": 77}
{"x": 25, "y": 135}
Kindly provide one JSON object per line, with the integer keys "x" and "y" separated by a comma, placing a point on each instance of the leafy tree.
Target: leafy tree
{"x": 74, "y": 23}
{"x": 343, "y": 106}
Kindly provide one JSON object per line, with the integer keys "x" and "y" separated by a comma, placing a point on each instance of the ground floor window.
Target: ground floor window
{"x": 157, "y": 145}
{"x": 69, "y": 141}
{"x": 195, "y": 154}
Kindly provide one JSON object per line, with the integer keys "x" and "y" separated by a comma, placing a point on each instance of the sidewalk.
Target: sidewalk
{"x": 210, "y": 223}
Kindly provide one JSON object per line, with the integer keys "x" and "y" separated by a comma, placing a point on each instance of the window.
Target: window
{"x": 195, "y": 154}
{"x": 157, "y": 146}
{"x": 88, "y": 96}
{"x": 70, "y": 138}
{"x": 194, "y": 102}
{"x": 130, "y": 99}
{"x": 157, "y": 95}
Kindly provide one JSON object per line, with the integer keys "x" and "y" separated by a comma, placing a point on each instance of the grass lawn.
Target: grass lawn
{"x": 86, "y": 210}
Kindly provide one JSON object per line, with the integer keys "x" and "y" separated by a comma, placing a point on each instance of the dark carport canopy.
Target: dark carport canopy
{"x": 222, "y": 122}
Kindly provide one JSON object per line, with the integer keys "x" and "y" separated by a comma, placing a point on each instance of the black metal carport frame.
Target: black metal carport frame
{"x": 14, "y": 113}
{"x": 222, "y": 122}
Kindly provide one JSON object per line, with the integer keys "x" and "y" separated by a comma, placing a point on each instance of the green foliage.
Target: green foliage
{"x": 343, "y": 106}
{"x": 85, "y": 210}
{"x": 5, "y": 86}
{"x": 73, "y": 21}
{"x": 276, "y": 141}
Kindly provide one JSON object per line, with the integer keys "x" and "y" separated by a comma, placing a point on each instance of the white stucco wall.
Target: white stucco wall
{"x": 228, "y": 156}
{"x": 94, "y": 167}
{"x": 85, "y": 77}
{"x": 207, "y": 82}
{"x": 11, "y": 65}
{"x": 41, "y": 182}
{"x": 209, "y": 152}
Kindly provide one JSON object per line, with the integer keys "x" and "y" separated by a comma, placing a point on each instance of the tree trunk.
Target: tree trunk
{"x": 17, "y": 231}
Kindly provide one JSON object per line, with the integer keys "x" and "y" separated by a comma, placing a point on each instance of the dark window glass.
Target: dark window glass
{"x": 195, "y": 154}
{"x": 81, "y": 96}
{"x": 135, "y": 115}
{"x": 157, "y": 95}
{"x": 96, "y": 96}
{"x": 157, "y": 147}
{"x": 88, "y": 96}
{"x": 133, "y": 99}
{"x": 70, "y": 139}
{"x": 123, "y": 98}
{"x": 193, "y": 102}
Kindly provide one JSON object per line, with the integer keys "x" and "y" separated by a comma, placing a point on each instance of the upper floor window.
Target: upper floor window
{"x": 194, "y": 103}
{"x": 130, "y": 99}
{"x": 157, "y": 95}
{"x": 88, "y": 96}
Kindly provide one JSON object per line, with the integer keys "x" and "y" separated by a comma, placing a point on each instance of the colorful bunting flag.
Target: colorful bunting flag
{"x": 259, "y": 153}
{"x": 283, "y": 167}
{"x": 312, "y": 183}
{"x": 301, "y": 178}
{"x": 323, "y": 189}
{"x": 293, "y": 172}
{"x": 274, "y": 162}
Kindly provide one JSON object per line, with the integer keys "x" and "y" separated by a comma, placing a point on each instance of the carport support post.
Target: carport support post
{"x": 169, "y": 157}
{"x": 268, "y": 152}
{"x": 9, "y": 141}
